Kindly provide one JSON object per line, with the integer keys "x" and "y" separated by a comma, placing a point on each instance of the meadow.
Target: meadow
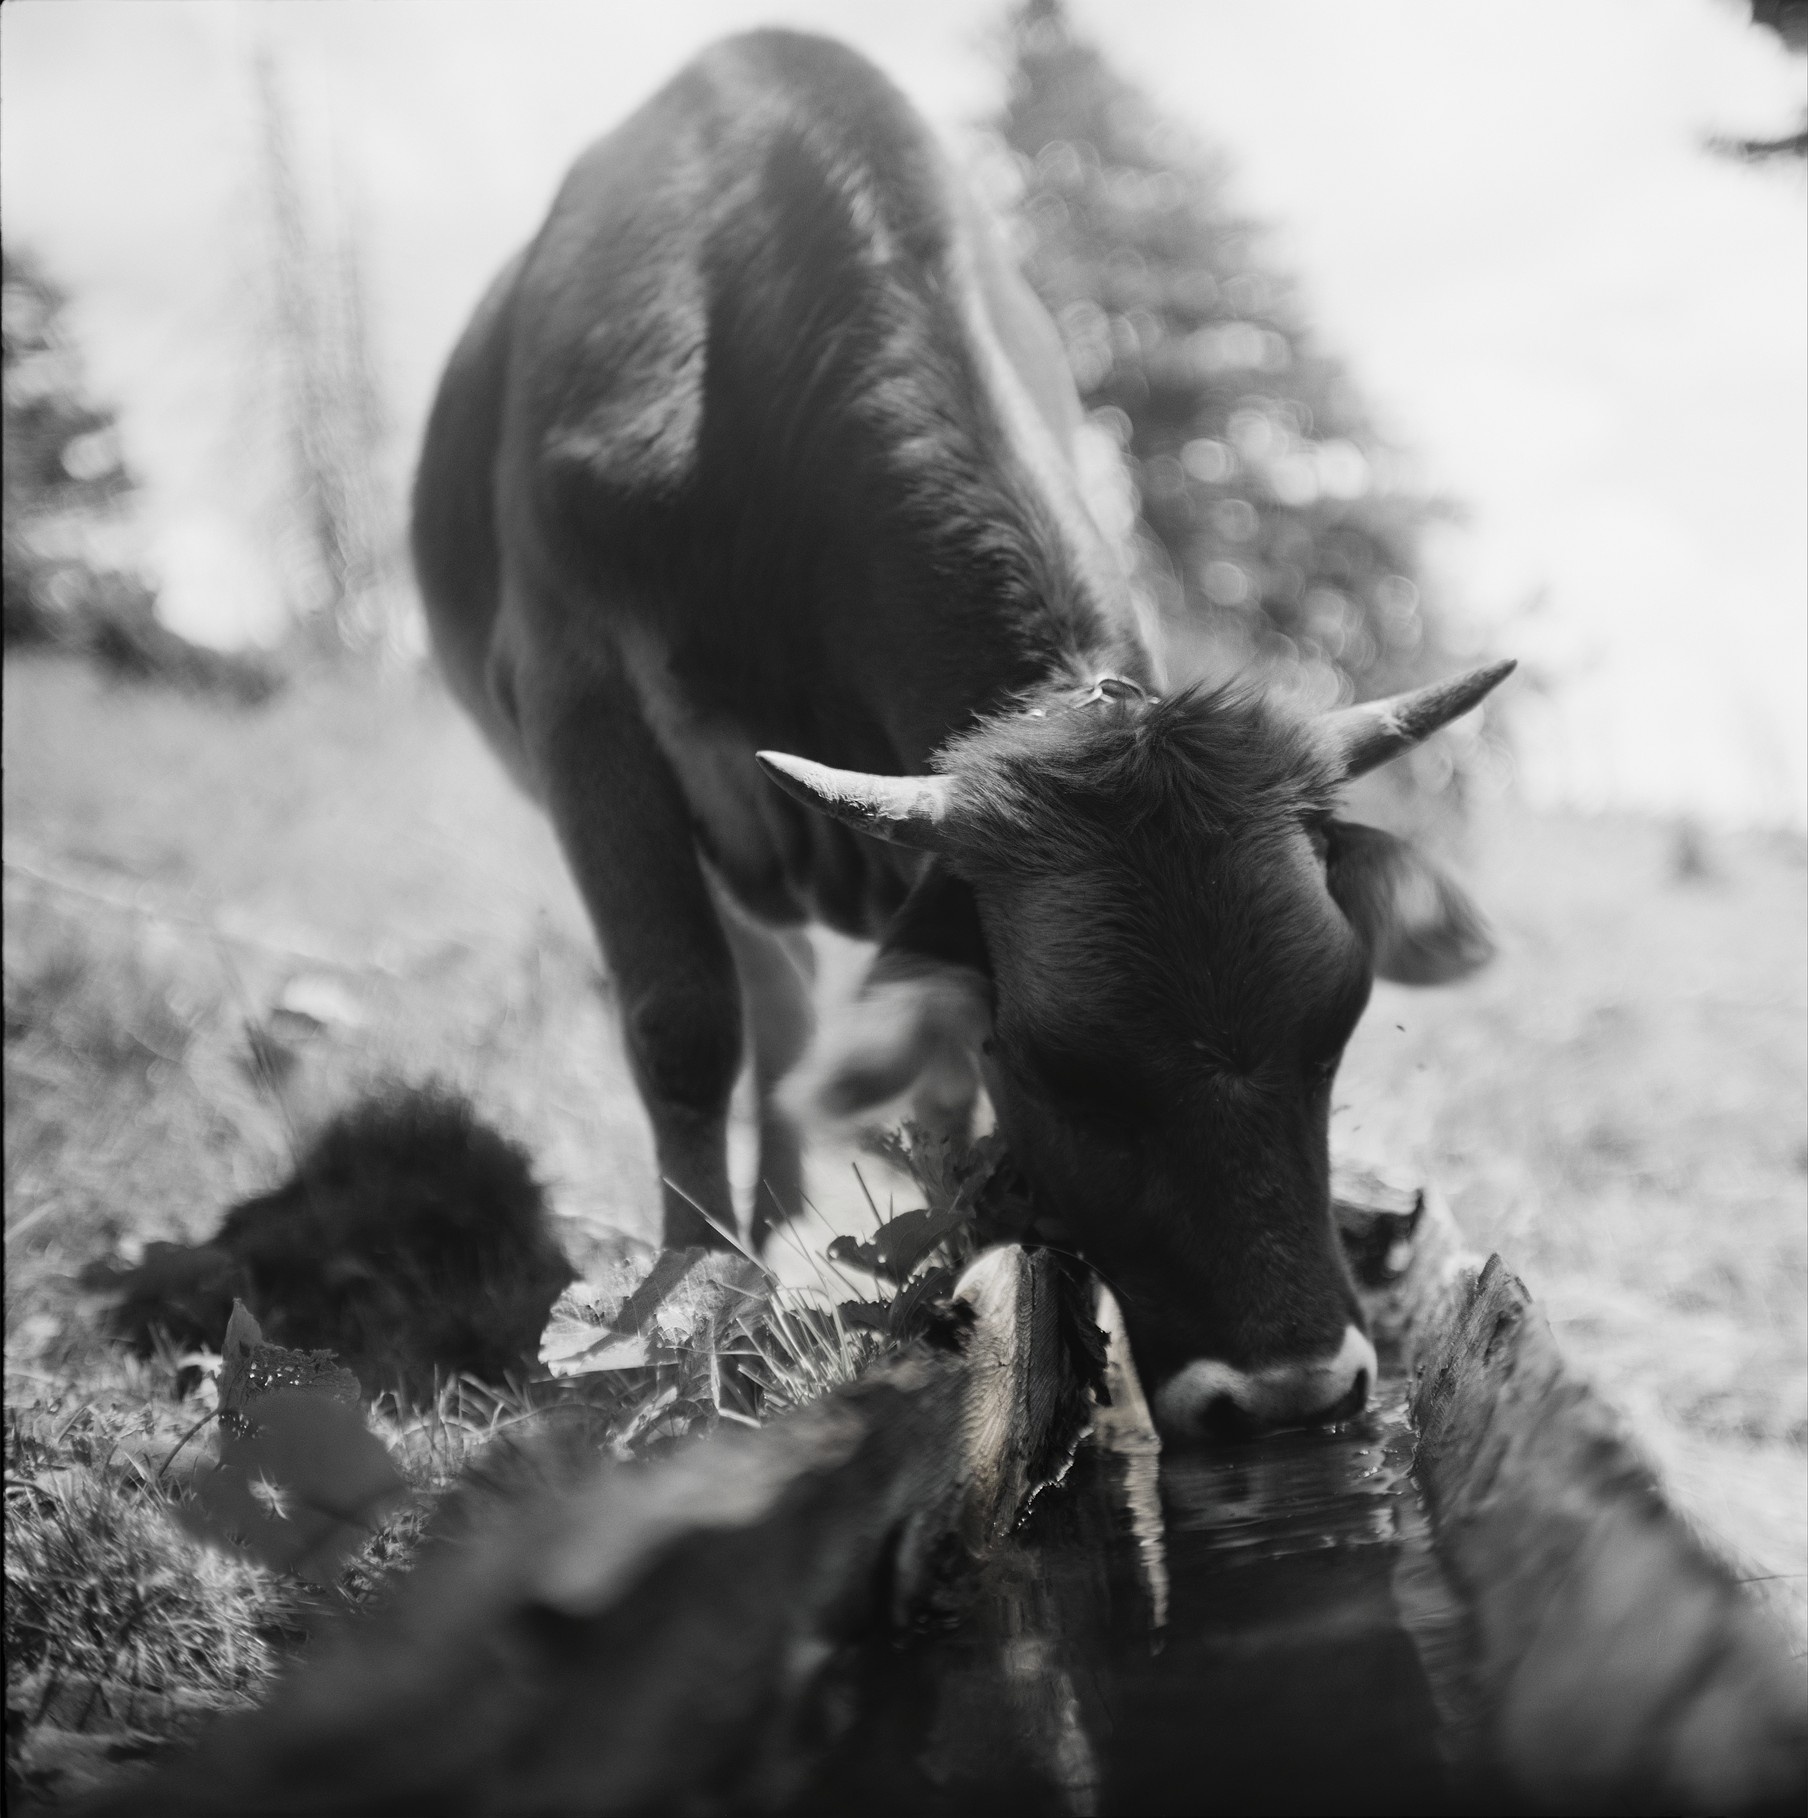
{"x": 222, "y": 924}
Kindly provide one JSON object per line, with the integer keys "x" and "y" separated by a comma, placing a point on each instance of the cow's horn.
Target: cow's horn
{"x": 904, "y": 809}
{"x": 1374, "y": 731}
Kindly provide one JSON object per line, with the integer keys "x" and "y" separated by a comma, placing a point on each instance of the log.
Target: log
{"x": 717, "y": 1632}
{"x": 674, "y": 1636}
{"x": 1530, "y": 1628}
{"x": 1619, "y": 1663}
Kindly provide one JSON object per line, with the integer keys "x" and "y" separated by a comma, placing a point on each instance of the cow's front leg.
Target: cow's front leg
{"x": 777, "y": 968}
{"x": 626, "y": 829}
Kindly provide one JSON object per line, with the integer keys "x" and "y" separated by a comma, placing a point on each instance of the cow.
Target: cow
{"x": 750, "y": 533}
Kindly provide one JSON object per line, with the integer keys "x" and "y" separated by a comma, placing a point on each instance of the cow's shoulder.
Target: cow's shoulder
{"x": 778, "y": 183}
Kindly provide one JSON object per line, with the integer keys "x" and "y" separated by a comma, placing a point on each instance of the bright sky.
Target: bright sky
{"x": 1590, "y": 330}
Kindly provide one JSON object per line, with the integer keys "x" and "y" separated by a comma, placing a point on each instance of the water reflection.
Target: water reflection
{"x": 1251, "y": 1627}
{"x": 1295, "y": 1492}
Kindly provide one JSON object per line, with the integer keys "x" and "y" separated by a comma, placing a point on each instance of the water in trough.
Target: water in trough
{"x": 1256, "y": 1626}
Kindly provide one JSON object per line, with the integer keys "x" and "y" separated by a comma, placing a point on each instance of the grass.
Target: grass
{"x": 119, "y": 1632}
{"x": 205, "y": 953}
{"x": 222, "y": 925}
{"x": 1618, "y": 1106}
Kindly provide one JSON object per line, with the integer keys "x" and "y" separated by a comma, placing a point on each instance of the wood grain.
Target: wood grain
{"x": 1621, "y": 1665}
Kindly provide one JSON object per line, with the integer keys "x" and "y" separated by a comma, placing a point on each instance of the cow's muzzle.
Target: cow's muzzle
{"x": 1206, "y": 1396}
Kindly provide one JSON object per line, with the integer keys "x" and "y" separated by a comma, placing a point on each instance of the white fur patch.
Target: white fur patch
{"x": 896, "y": 1033}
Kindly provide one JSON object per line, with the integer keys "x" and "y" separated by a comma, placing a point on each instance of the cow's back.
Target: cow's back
{"x": 457, "y": 559}
{"x": 743, "y": 417}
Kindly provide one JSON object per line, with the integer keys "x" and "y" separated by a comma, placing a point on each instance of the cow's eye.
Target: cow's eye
{"x": 1103, "y": 1124}
{"x": 1086, "y": 1090}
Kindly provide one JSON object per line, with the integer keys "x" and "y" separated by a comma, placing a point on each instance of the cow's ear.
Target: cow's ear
{"x": 1420, "y": 927}
{"x": 920, "y": 1015}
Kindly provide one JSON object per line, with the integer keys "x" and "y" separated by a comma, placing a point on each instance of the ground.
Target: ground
{"x": 1618, "y": 1106}
{"x": 221, "y": 923}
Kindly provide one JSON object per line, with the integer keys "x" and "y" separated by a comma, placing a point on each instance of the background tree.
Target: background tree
{"x": 71, "y": 579}
{"x": 64, "y": 478}
{"x": 1278, "y": 531}
{"x": 336, "y": 520}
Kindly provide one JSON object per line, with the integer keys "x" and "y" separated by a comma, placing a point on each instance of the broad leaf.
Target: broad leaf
{"x": 250, "y": 1369}
{"x": 901, "y": 1243}
{"x": 300, "y": 1487}
{"x": 687, "y": 1300}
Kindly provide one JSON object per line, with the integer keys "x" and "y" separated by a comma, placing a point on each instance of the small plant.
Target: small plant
{"x": 300, "y": 1482}
{"x": 973, "y": 1198}
{"x": 689, "y": 1338}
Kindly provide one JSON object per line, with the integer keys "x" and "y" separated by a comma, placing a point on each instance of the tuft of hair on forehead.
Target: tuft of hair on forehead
{"x": 1060, "y": 778}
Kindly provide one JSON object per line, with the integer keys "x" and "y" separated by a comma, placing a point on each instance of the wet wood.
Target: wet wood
{"x": 1209, "y": 1629}
{"x": 676, "y": 1636}
{"x": 1280, "y": 1626}
{"x": 1620, "y": 1665}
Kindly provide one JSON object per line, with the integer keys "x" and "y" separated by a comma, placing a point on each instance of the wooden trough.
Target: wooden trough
{"x": 1474, "y": 1599}
{"x": 1618, "y": 1663}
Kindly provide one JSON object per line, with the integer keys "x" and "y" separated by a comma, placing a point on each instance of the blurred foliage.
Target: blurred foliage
{"x": 1276, "y": 529}
{"x": 63, "y": 469}
{"x": 69, "y": 578}
{"x": 1789, "y": 20}
{"x": 334, "y": 518}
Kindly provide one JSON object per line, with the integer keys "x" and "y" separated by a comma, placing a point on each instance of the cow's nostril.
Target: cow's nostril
{"x": 1354, "y": 1402}
{"x": 1223, "y": 1417}
{"x": 1211, "y": 1398}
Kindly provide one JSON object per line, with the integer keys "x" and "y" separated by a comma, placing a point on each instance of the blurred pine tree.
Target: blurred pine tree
{"x": 315, "y": 384}
{"x": 65, "y": 479}
{"x": 71, "y": 575}
{"x": 1278, "y": 531}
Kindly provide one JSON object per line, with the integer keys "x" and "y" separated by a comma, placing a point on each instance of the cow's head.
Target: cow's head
{"x": 1147, "y": 917}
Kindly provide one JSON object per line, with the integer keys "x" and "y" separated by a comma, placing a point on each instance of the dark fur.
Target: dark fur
{"x": 723, "y": 464}
{"x": 841, "y": 458}
{"x": 716, "y": 467}
{"x": 1204, "y": 763}
{"x": 1174, "y": 982}
{"x": 412, "y": 1240}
